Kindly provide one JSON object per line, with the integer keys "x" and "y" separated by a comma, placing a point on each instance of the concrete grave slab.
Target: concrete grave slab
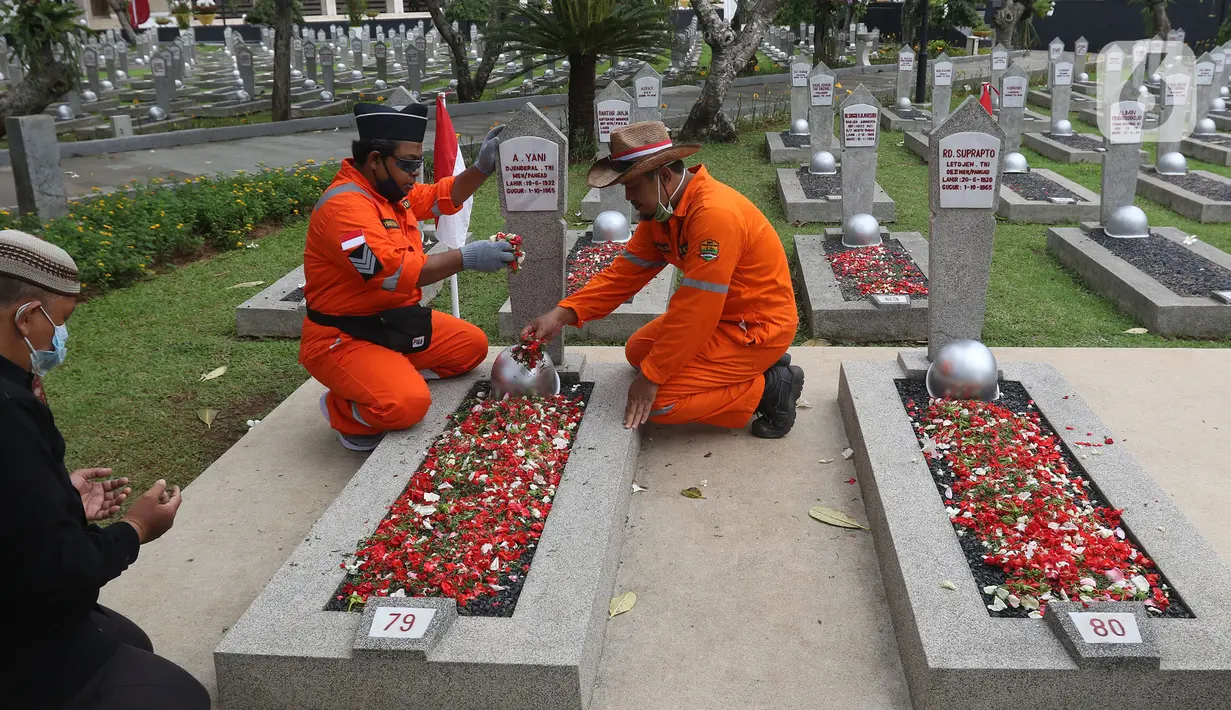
{"x": 649, "y": 303}
{"x": 895, "y": 119}
{"x": 1216, "y": 151}
{"x": 1043, "y": 144}
{"x": 1155, "y": 306}
{"x": 832, "y": 317}
{"x": 1016, "y": 208}
{"x": 954, "y": 653}
{"x": 287, "y": 652}
{"x": 917, "y": 142}
{"x": 800, "y": 208}
{"x": 780, "y": 152}
{"x": 1043, "y": 99}
{"x": 1182, "y": 201}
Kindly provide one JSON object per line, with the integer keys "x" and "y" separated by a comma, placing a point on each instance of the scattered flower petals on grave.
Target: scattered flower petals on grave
{"x": 877, "y": 270}
{"x": 948, "y": 585}
{"x": 462, "y": 540}
{"x": 528, "y": 352}
{"x": 519, "y": 254}
{"x": 587, "y": 261}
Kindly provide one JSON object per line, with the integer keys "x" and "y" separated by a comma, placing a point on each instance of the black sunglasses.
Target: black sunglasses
{"x": 410, "y": 166}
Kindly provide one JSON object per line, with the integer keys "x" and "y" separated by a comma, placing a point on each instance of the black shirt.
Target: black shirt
{"x": 54, "y": 561}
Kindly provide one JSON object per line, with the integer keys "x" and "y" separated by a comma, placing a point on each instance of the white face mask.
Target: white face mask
{"x": 662, "y": 212}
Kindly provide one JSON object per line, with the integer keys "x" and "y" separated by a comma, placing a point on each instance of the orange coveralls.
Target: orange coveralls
{"x": 363, "y": 255}
{"x": 731, "y": 319}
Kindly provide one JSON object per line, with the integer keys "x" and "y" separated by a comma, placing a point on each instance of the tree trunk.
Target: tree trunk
{"x": 126, "y": 25}
{"x": 1006, "y": 21}
{"x": 469, "y": 88}
{"x": 44, "y": 81}
{"x": 581, "y": 83}
{"x": 820, "y": 31}
{"x": 283, "y": 29}
{"x": 730, "y": 51}
{"x": 1162, "y": 23}
{"x": 910, "y": 21}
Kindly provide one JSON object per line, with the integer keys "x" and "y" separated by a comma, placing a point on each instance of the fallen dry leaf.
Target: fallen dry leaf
{"x": 208, "y": 416}
{"x": 948, "y": 585}
{"x": 246, "y": 284}
{"x": 829, "y": 516}
{"x": 621, "y": 603}
{"x": 1136, "y": 331}
{"x": 803, "y": 404}
{"x": 693, "y": 492}
{"x": 826, "y": 460}
{"x": 638, "y": 488}
{"x": 708, "y": 454}
{"x": 214, "y": 374}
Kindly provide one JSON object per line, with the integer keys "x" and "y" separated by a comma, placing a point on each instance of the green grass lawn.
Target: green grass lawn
{"x": 129, "y": 393}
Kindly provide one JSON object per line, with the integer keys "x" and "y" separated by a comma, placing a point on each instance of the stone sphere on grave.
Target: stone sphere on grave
{"x": 339, "y": 67}
{"x": 139, "y": 61}
{"x": 512, "y": 378}
{"x": 1156, "y": 78}
{"x": 242, "y": 96}
{"x": 380, "y": 85}
{"x": 903, "y": 102}
{"x": 326, "y": 96}
{"x": 611, "y": 226}
{"x": 861, "y": 230}
{"x": 156, "y": 113}
{"x": 1224, "y": 92}
{"x": 1205, "y": 127}
{"x": 356, "y": 74}
{"x": 1218, "y": 104}
{"x": 823, "y": 163}
{"x": 309, "y": 84}
{"x": 119, "y": 74}
{"x": 239, "y": 83}
{"x": 549, "y": 73}
{"x": 527, "y": 85}
{"x": 1016, "y": 163}
{"x": 565, "y": 64}
{"x": 799, "y": 127}
{"x": 430, "y": 62}
{"x": 1173, "y": 163}
{"x": 179, "y": 84}
{"x": 511, "y": 65}
{"x": 1062, "y": 127}
{"x": 1083, "y": 77}
{"x": 453, "y": 83}
{"x": 1127, "y": 222}
{"x": 64, "y": 112}
{"x": 296, "y": 74}
{"x": 964, "y": 369}
{"x": 106, "y": 85}
{"x": 235, "y": 72}
{"x": 1143, "y": 91}
{"x": 89, "y": 96}
{"x": 397, "y": 66}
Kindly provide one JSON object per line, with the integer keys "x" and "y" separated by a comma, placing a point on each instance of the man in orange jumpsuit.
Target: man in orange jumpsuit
{"x": 719, "y": 354}
{"x": 366, "y": 337}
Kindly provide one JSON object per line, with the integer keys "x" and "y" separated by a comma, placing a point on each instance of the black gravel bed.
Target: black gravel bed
{"x": 1077, "y": 141}
{"x": 1033, "y": 186}
{"x": 1198, "y": 185}
{"x": 504, "y": 602}
{"x": 819, "y": 187}
{"x": 294, "y": 296}
{"x": 583, "y": 241}
{"x": 1181, "y": 270}
{"x": 850, "y": 286}
{"x": 1216, "y": 139}
{"x": 909, "y": 114}
{"x": 793, "y": 141}
{"x": 1013, "y": 396}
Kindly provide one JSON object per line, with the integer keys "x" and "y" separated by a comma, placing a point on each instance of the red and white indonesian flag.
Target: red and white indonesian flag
{"x": 138, "y": 12}
{"x": 450, "y": 229}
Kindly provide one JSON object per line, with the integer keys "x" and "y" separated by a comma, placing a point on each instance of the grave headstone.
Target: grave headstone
{"x": 1203, "y": 78}
{"x": 1219, "y": 56}
{"x": 297, "y": 54}
{"x": 963, "y": 185}
{"x": 163, "y": 86}
{"x": 109, "y": 60}
{"x": 89, "y": 57}
{"x": 243, "y": 56}
{"x": 1157, "y": 47}
{"x": 177, "y": 61}
{"x": 906, "y": 68}
{"x": 1014, "y": 86}
{"x": 1061, "y": 88}
{"x": 860, "y": 136}
{"x": 647, "y": 95}
{"x": 533, "y": 191}
{"x": 326, "y": 53}
{"x": 382, "y": 60}
{"x": 356, "y": 50}
{"x": 122, "y": 125}
{"x": 414, "y": 70}
{"x": 1111, "y": 68}
{"x": 612, "y": 110}
{"x": 1000, "y": 63}
{"x": 942, "y": 88}
{"x": 309, "y": 59}
{"x": 1141, "y": 48}
{"x": 799, "y": 90}
{"x": 421, "y": 48}
{"x": 1081, "y": 52}
{"x": 1177, "y": 100}
{"x": 1054, "y": 49}
{"x": 1122, "y": 157}
{"x": 821, "y": 87}
{"x": 74, "y": 101}
{"x": 35, "y": 158}
{"x": 121, "y": 57}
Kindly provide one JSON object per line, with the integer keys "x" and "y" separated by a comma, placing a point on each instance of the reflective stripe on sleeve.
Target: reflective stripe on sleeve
{"x": 335, "y": 191}
{"x": 705, "y": 285}
{"x": 642, "y": 262}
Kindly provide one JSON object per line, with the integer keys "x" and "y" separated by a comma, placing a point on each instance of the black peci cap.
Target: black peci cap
{"x": 377, "y": 122}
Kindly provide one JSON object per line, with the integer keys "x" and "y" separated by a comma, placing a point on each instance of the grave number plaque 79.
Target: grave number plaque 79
{"x": 401, "y": 622}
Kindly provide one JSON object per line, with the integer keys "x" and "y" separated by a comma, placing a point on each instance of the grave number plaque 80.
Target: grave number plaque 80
{"x": 1106, "y": 627}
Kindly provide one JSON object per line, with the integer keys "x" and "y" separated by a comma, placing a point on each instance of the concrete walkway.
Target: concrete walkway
{"x": 744, "y": 601}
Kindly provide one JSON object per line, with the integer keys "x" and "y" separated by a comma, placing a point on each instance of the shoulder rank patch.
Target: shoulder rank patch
{"x": 390, "y": 224}
{"x": 708, "y": 249}
{"x": 365, "y": 262}
{"x": 663, "y": 247}
{"x": 406, "y": 204}
{"x": 683, "y": 249}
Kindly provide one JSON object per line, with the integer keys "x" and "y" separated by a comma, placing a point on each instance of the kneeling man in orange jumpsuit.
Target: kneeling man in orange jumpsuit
{"x": 366, "y": 336}
{"x": 719, "y": 354}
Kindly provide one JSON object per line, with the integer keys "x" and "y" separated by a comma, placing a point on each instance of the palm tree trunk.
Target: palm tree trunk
{"x": 581, "y": 84}
{"x": 1162, "y": 23}
{"x": 283, "y": 29}
{"x": 820, "y": 31}
{"x": 44, "y": 81}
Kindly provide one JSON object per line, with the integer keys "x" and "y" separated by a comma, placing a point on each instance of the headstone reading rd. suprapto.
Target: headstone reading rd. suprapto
{"x": 1014, "y": 86}
{"x": 533, "y": 190}
{"x": 647, "y": 95}
{"x": 860, "y": 136}
{"x": 1177, "y": 100}
{"x": 906, "y": 72}
{"x": 612, "y": 109}
{"x": 942, "y": 88}
{"x": 799, "y": 90}
{"x": 1061, "y": 87}
{"x": 1122, "y": 138}
{"x": 1000, "y": 64}
{"x": 1204, "y": 80}
{"x": 821, "y": 87}
{"x": 963, "y": 184}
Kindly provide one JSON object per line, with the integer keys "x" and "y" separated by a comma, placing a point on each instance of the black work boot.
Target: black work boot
{"x": 776, "y": 413}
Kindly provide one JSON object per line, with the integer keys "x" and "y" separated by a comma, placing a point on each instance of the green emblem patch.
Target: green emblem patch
{"x": 708, "y": 249}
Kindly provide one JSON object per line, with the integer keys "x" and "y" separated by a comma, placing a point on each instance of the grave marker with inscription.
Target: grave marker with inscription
{"x": 89, "y": 57}
{"x": 1013, "y": 87}
{"x": 327, "y": 67}
{"x": 1000, "y": 63}
{"x": 1177, "y": 99}
{"x": 860, "y": 136}
{"x": 799, "y": 90}
{"x": 821, "y": 88}
{"x": 906, "y": 68}
{"x": 647, "y": 90}
{"x": 942, "y": 88}
{"x": 612, "y": 110}
{"x": 309, "y": 60}
{"x": 243, "y": 56}
{"x": 1061, "y": 88}
{"x": 382, "y": 60}
{"x": 1122, "y": 158}
{"x": 1141, "y": 48}
{"x": 1203, "y": 79}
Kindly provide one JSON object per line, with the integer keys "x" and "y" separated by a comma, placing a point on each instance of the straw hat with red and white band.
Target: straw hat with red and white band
{"x": 637, "y": 149}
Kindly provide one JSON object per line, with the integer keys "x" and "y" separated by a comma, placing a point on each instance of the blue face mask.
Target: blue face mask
{"x": 662, "y": 212}
{"x": 43, "y": 361}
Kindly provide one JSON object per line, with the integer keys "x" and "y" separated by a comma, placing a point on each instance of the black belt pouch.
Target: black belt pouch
{"x": 404, "y": 330}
